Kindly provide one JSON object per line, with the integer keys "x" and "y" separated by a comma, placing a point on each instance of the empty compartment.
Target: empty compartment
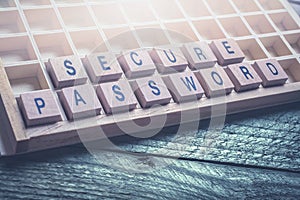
{"x": 11, "y": 22}
{"x": 42, "y": 19}
{"x": 195, "y": 8}
{"x": 109, "y": 14}
{"x": 292, "y": 68}
{"x": 251, "y": 49}
{"x": 68, "y": 1}
{"x": 35, "y": 2}
{"x": 16, "y": 49}
{"x": 138, "y": 11}
{"x": 121, "y": 39}
{"x": 271, "y": 4}
{"x": 88, "y": 41}
{"x": 151, "y": 35}
{"x": 181, "y": 32}
{"x": 260, "y": 24}
{"x": 234, "y": 26}
{"x": 53, "y": 45}
{"x": 221, "y": 7}
{"x": 167, "y": 9}
{"x": 76, "y": 17}
{"x": 246, "y": 5}
{"x": 209, "y": 29}
{"x": 294, "y": 40}
{"x": 275, "y": 46}
{"x": 25, "y": 78}
{"x": 7, "y": 3}
{"x": 284, "y": 21}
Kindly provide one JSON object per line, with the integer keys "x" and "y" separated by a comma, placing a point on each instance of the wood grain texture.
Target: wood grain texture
{"x": 258, "y": 142}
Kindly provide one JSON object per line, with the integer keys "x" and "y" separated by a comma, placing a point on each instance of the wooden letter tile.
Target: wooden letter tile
{"x": 137, "y": 63}
{"x": 199, "y": 55}
{"x": 227, "y": 51}
{"x": 215, "y": 81}
{"x": 66, "y": 71}
{"x": 103, "y": 67}
{"x": 116, "y": 96}
{"x": 271, "y": 73}
{"x": 243, "y": 76}
{"x": 184, "y": 86}
{"x": 80, "y": 101}
{"x": 39, "y": 107}
{"x": 151, "y": 91}
{"x": 169, "y": 59}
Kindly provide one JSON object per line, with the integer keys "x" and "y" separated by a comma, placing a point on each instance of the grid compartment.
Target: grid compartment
{"x": 151, "y": 36}
{"x": 138, "y": 11}
{"x": 195, "y": 8}
{"x": 209, "y": 29}
{"x": 251, "y": 49}
{"x": 292, "y": 68}
{"x": 167, "y": 9}
{"x": 246, "y": 5}
{"x": 234, "y": 26}
{"x": 35, "y": 2}
{"x": 121, "y": 39}
{"x": 181, "y": 32}
{"x": 271, "y": 4}
{"x": 11, "y": 22}
{"x": 109, "y": 14}
{"x": 76, "y": 17}
{"x": 16, "y": 49}
{"x": 275, "y": 46}
{"x": 294, "y": 41}
{"x": 284, "y": 21}
{"x": 88, "y": 41}
{"x": 53, "y": 45}
{"x": 68, "y": 1}
{"x": 221, "y": 7}
{"x": 7, "y": 3}
{"x": 25, "y": 78}
{"x": 260, "y": 24}
{"x": 45, "y": 21}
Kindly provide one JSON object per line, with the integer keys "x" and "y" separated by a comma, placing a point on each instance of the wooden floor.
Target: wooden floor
{"x": 255, "y": 156}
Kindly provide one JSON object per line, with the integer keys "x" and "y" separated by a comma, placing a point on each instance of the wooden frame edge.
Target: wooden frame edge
{"x": 12, "y": 128}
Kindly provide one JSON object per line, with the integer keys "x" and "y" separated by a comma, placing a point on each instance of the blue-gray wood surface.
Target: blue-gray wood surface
{"x": 255, "y": 156}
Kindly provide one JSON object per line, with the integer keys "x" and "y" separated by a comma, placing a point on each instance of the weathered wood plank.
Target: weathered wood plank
{"x": 265, "y": 138}
{"x": 73, "y": 173}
